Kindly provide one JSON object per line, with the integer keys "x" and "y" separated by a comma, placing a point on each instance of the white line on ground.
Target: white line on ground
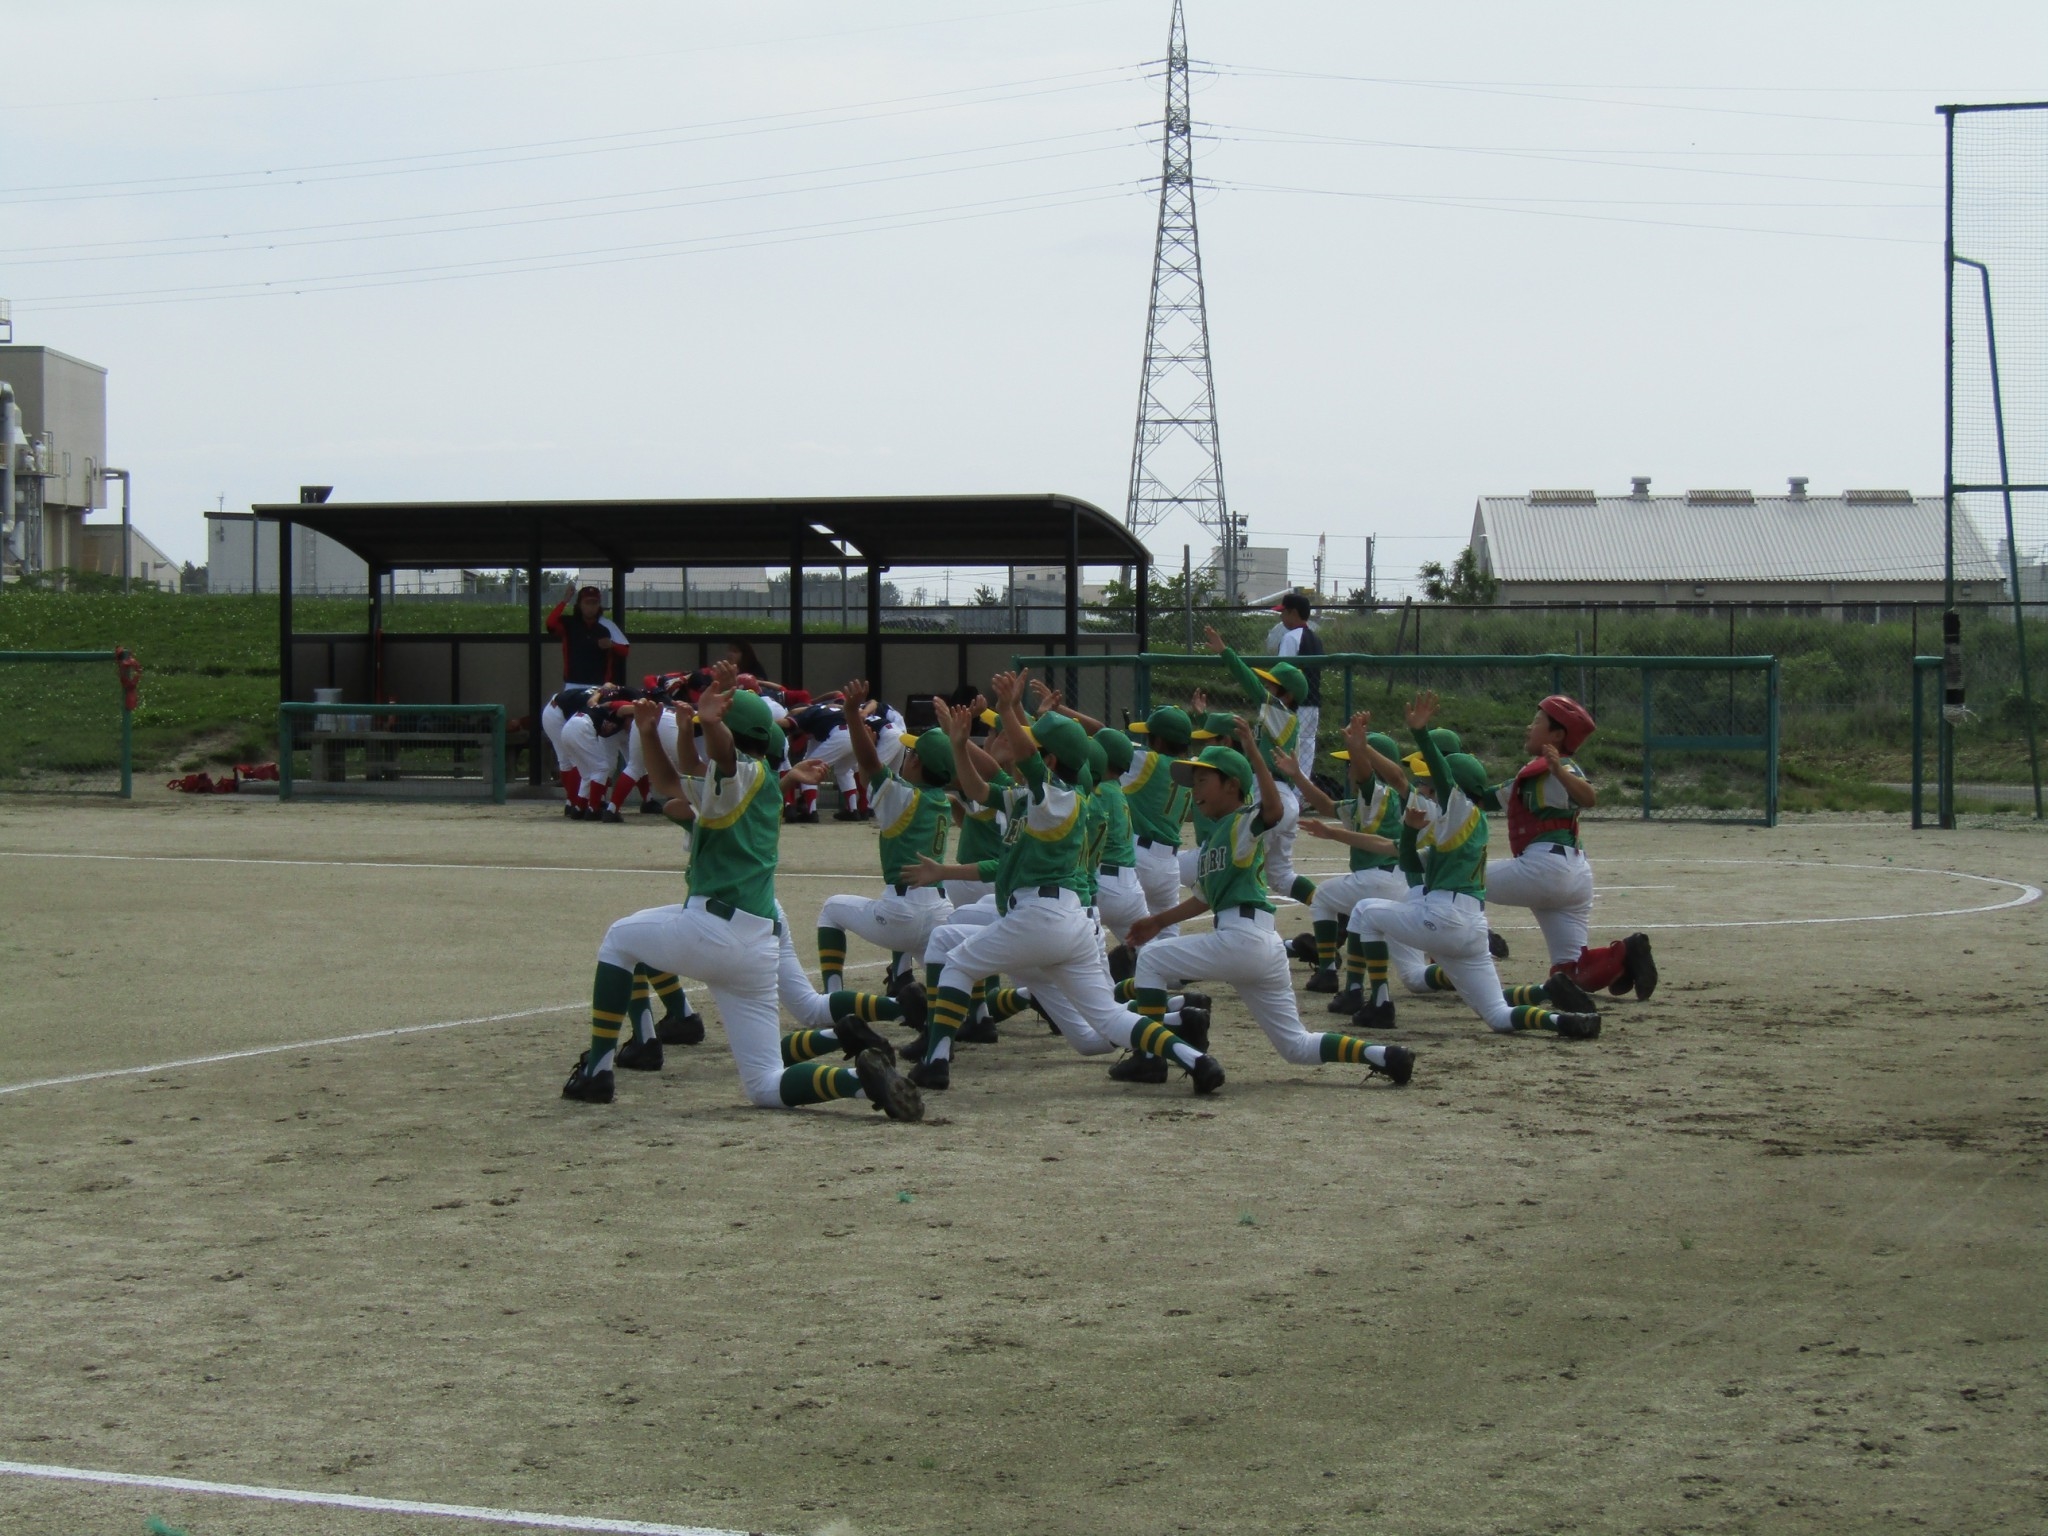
{"x": 536, "y": 869}
{"x": 274, "y": 1050}
{"x": 361, "y": 1501}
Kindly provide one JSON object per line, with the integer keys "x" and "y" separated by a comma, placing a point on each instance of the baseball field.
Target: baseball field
{"x": 1767, "y": 1256}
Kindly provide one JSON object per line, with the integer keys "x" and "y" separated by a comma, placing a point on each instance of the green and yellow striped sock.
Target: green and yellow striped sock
{"x": 932, "y": 971}
{"x": 611, "y": 994}
{"x": 1534, "y": 1018}
{"x": 872, "y": 1007}
{"x": 1326, "y": 943}
{"x": 979, "y": 1000}
{"x": 1376, "y": 963}
{"x": 1525, "y": 994}
{"x": 816, "y": 1083}
{"x": 831, "y": 960}
{"x": 1006, "y": 1003}
{"x": 668, "y": 991}
{"x": 948, "y": 1015}
{"x": 803, "y": 1044}
{"x": 1433, "y": 977}
{"x": 1127, "y": 990}
{"x": 1354, "y": 961}
{"x": 1353, "y": 1050}
{"x": 1303, "y": 890}
{"x": 640, "y": 1011}
{"x": 1153, "y": 1038}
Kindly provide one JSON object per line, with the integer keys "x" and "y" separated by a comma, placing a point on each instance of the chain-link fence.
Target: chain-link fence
{"x": 1997, "y": 396}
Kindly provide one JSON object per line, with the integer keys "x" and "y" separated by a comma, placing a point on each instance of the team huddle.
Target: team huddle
{"x": 1070, "y": 882}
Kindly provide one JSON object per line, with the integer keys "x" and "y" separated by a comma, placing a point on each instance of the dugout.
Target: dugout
{"x": 897, "y": 650}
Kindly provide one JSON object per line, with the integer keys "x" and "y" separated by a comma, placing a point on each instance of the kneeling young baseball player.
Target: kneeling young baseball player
{"x": 726, "y": 935}
{"x": 1372, "y": 810}
{"x": 1243, "y": 949}
{"x": 1447, "y": 918}
{"x": 915, "y": 817}
{"x": 1548, "y": 871}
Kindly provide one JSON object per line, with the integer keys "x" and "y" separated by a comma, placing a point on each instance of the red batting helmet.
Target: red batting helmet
{"x": 1569, "y": 716}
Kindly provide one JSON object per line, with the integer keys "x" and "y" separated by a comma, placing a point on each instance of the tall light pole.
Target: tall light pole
{"x": 127, "y": 526}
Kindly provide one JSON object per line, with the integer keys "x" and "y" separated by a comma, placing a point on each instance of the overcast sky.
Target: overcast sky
{"x": 636, "y": 249}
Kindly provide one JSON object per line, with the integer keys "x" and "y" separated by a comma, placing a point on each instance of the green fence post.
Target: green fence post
{"x": 1649, "y": 718}
{"x": 1771, "y": 752}
{"x": 498, "y": 755}
{"x": 1348, "y": 706}
{"x": 284, "y": 753}
{"x": 127, "y": 752}
{"x": 1919, "y": 752}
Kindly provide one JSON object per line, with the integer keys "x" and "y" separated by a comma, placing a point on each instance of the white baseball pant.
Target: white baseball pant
{"x": 1120, "y": 899}
{"x": 1336, "y": 896}
{"x": 1045, "y": 942}
{"x": 803, "y": 1002}
{"x": 1451, "y": 927}
{"x": 1159, "y": 876}
{"x": 1311, "y": 718}
{"x": 895, "y": 920}
{"x": 1279, "y": 842}
{"x": 1247, "y": 953}
{"x": 1555, "y": 883}
{"x": 736, "y": 958}
{"x": 636, "y": 759}
{"x": 595, "y": 757}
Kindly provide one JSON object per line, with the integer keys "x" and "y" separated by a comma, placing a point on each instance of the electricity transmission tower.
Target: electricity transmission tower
{"x": 1177, "y": 459}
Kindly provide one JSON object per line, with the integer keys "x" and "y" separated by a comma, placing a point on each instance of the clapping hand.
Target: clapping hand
{"x": 1421, "y": 710}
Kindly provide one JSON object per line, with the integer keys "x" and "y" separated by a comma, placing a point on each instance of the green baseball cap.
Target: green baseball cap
{"x": 1169, "y": 727}
{"x": 1116, "y": 749}
{"x": 1098, "y": 760}
{"x": 1227, "y": 761}
{"x": 1384, "y": 744}
{"x": 1288, "y": 678}
{"x": 934, "y": 749}
{"x": 1447, "y": 742}
{"x": 748, "y": 716}
{"x": 778, "y": 744}
{"x": 1064, "y": 739}
{"x": 1468, "y": 773}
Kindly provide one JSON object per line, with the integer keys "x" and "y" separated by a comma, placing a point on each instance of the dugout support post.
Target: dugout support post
{"x": 794, "y": 665}
{"x": 874, "y": 626}
{"x": 287, "y": 678}
{"x": 534, "y": 735}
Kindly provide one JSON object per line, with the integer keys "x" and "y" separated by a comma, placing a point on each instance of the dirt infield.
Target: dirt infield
{"x": 1765, "y": 1257}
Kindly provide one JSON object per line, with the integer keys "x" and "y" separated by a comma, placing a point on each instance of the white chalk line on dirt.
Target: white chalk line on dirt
{"x": 313, "y": 1045}
{"x": 360, "y": 1501}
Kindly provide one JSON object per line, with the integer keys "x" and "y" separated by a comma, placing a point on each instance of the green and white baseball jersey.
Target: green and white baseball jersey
{"x": 1232, "y": 870}
{"x": 1376, "y": 810}
{"x": 984, "y": 827}
{"x": 1279, "y": 728}
{"x": 1157, "y": 806}
{"x": 1046, "y": 839}
{"x": 1453, "y": 844}
{"x": 734, "y": 840}
{"x": 1116, "y": 849}
{"x": 914, "y": 820}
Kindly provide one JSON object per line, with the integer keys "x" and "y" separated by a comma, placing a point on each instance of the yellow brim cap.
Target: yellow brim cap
{"x": 990, "y": 717}
{"x": 1138, "y": 728}
{"x": 1265, "y": 676}
{"x": 1342, "y": 755}
{"x": 1416, "y": 763}
{"x": 909, "y": 739}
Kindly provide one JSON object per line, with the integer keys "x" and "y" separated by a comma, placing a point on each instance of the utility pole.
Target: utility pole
{"x": 127, "y": 526}
{"x": 1322, "y": 549}
{"x": 1370, "y": 540}
{"x": 1176, "y": 457}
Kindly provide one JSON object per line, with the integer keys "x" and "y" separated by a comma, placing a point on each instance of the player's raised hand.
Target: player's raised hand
{"x": 1009, "y": 687}
{"x": 956, "y": 720}
{"x": 1043, "y": 697}
{"x": 1316, "y": 828}
{"x": 647, "y": 713}
{"x": 1288, "y": 764}
{"x": 856, "y": 695}
{"x": 1213, "y": 640}
{"x": 1241, "y": 732}
{"x": 1417, "y": 814}
{"x": 725, "y": 676}
{"x": 1421, "y": 710}
{"x": 1200, "y": 699}
{"x": 712, "y": 704}
{"x": 1355, "y": 732}
{"x": 926, "y": 871}
{"x": 810, "y": 770}
{"x": 980, "y": 703}
{"x": 1552, "y": 756}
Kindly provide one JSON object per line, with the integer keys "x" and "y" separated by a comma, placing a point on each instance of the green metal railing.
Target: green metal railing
{"x": 110, "y": 659}
{"x": 1559, "y": 666}
{"x": 490, "y": 743}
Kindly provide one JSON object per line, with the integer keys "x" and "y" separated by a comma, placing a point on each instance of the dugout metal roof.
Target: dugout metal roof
{"x": 1715, "y": 535}
{"x": 1046, "y": 529}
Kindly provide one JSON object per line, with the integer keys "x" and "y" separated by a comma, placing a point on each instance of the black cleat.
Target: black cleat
{"x": 979, "y": 1030}
{"x": 610, "y": 814}
{"x": 639, "y": 1056}
{"x": 1496, "y": 946}
{"x": 652, "y": 806}
{"x": 576, "y": 812}
{"x": 1577, "y": 1026}
{"x": 1349, "y": 1001}
{"x": 1374, "y": 1016}
{"x": 1194, "y": 1028}
{"x": 570, "y": 809}
{"x": 1642, "y": 966}
{"x": 1208, "y": 1074}
{"x": 1568, "y": 994}
{"x": 680, "y": 1029}
{"x": 916, "y": 1009}
{"x": 935, "y": 1075}
{"x": 857, "y": 1035}
{"x": 796, "y": 818}
{"x": 914, "y": 1048}
{"x": 1051, "y": 1024}
{"x": 590, "y": 1087}
{"x": 846, "y": 813}
{"x": 1302, "y": 947}
{"x": 887, "y": 1089}
{"x": 1201, "y": 1000}
{"x": 1136, "y": 1067}
{"x": 1123, "y": 963}
{"x": 1399, "y": 1068}
{"x": 1324, "y": 979}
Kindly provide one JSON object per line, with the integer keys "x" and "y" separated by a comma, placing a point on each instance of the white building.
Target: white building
{"x": 99, "y": 549}
{"x": 1261, "y": 574}
{"x": 241, "y": 556}
{"x": 1850, "y": 556}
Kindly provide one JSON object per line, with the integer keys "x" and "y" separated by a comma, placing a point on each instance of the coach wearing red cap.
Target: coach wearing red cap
{"x": 1549, "y": 872}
